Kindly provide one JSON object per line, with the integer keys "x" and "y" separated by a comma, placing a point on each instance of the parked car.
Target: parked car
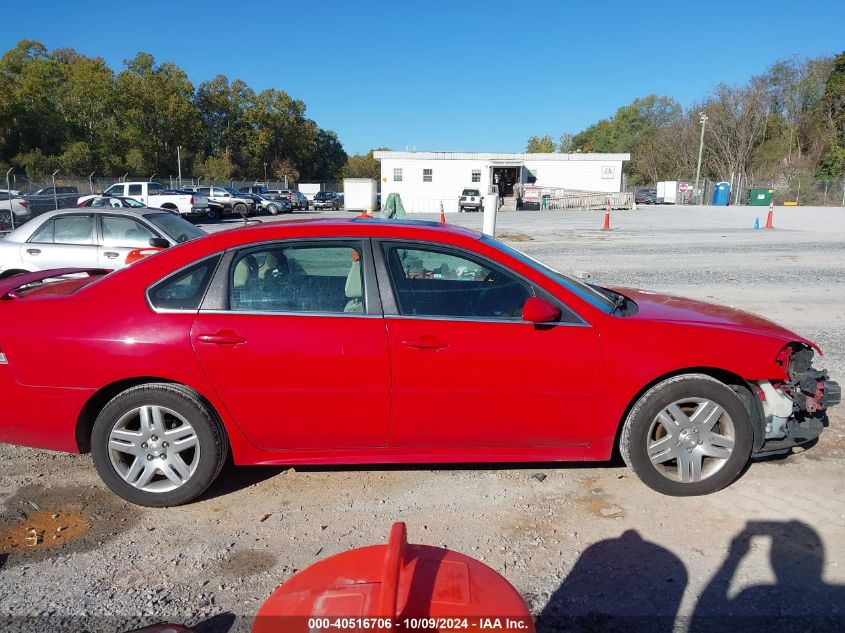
{"x": 13, "y": 205}
{"x": 259, "y": 189}
{"x": 297, "y": 199}
{"x": 232, "y": 201}
{"x": 464, "y": 350}
{"x": 470, "y": 200}
{"x": 646, "y": 196}
{"x": 274, "y": 204}
{"x": 326, "y": 200}
{"x": 154, "y": 195}
{"x": 49, "y": 191}
{"x": 116, "y": 202}
{"x": 90, "y": 238}
{"x": 301, "y": 201}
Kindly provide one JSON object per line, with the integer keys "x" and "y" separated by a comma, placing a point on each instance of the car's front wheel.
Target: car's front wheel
{"x": 273, "y": 209}
{"x": 687, "y": 435}
{"x": 158, "y": 445}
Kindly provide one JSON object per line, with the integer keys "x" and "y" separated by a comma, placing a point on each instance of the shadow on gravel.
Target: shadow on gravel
{"x": 624, "y": 584}
{"x": 38, "y": 523}
{"x": 233, "y": 478}
{"x": 630, "y": 584}
{"x": 220, "y": 623}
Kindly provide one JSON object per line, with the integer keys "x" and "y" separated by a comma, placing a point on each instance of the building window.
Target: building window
{"x": 397, "y": 174}
{"x": 427, "y": 175}
{"x": 476, "y": 175}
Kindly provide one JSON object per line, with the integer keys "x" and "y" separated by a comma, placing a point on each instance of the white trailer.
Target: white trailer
{"x": 309, "y": 189}
{"x": 667, "y": 192}
{"x": 359, "y": 194}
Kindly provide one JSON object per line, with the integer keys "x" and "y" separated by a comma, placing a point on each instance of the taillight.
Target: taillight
{"x": 81, "y": 205}
{"x": 192, "y": 201}
{"x": 24, "y": 204}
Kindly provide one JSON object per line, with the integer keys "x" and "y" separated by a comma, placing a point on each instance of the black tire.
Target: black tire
{"x": 240, "y": 209}
{"x": 273, "y": 209}
{"x": 212, "y": 213}
{"x": 640, "y": 424}
{"x": 211, "y": 439}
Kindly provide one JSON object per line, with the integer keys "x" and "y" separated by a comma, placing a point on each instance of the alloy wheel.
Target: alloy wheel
{"x": 690, "y": 440}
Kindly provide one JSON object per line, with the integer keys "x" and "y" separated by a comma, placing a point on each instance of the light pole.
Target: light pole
{"x": 179, "y": 163}
{"x": 11, "y": 209}
{"x": 703, "y": 120}
{"x": 265, "y": 173}
{"x": 55, "y": 195}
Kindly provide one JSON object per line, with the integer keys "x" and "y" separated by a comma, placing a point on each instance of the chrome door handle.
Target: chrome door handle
{"x": 111, "y": 254}
{"x": 33, "y": 251}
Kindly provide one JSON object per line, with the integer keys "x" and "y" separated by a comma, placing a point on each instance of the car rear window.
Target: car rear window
{"x": 470, "y": 192}
{"x": 185, "y": 289}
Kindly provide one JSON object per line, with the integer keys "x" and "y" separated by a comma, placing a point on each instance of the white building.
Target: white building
{"x": 425, "y": 179}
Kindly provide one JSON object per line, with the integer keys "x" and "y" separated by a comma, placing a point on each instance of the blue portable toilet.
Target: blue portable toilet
{"x": 722, "y": 194}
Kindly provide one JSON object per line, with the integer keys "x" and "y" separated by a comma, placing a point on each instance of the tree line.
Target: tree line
{"x": 63, "y": 110}
{"x": 786, "y": 124}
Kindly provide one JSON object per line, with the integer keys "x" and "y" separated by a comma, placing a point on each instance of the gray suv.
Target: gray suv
{"x": 471, "y": 200}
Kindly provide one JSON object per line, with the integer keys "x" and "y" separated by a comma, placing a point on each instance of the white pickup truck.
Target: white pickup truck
{"x": 154, "y": 195}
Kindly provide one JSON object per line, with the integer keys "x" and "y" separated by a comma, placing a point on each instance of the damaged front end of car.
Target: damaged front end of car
{"x": 794, "y": 409}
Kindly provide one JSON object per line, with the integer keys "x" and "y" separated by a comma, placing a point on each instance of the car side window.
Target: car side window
{"x": 437, "y": 282}
{"x": 114, "y": 190}
{"x": 125, "y": 232}
{"x": 185, "y": 289}
{"x": 313, "y": 277}
{"x": 44, "y": 235}
{"x": 134, "y": 190}
{"x": 73, "y": 229}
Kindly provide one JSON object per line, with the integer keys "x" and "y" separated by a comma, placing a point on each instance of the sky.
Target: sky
{"x": 447, "y": 76}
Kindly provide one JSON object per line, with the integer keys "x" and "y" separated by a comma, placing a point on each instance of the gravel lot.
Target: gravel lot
{"x": 584, "y": 542}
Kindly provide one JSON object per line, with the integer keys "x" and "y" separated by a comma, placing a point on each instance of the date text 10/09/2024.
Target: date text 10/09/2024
{"x": 422, "y": 624}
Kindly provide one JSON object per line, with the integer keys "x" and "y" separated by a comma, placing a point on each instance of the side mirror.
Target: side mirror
{"x": 538, "y": 310}
{"x": 159, "y": 242}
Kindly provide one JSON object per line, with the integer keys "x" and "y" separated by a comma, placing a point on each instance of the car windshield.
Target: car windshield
{"x": 589, "y": 294}
{"x": 470, "y": 192}
{"x": 133, "y": 203}
{"x": 177, "y": 228}
{"x": 233, "y": 192}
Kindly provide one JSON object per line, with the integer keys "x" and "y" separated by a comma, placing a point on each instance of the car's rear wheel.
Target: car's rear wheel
{"x": 240, "y": 209}
{"x": 273, "y": 209}
{"x": 687, "y": 435}
{"x": 158, "y": 445}
{"x": 212, "y": 214}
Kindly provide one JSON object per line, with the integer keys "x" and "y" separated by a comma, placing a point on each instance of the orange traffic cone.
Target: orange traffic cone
{"x": 442, "y": 215}
{"x": 606, "y": 226}
{"x": 771, "y": 214}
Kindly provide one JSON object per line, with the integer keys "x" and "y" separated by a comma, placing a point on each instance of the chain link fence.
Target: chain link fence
{"x": 801, "y": 190}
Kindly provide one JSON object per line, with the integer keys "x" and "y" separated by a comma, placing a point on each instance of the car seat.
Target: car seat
{"x": 354, "y": 289}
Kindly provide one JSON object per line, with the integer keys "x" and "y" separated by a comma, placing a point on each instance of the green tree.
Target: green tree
{"x": 540, "y": 145}
{"x": 830, "y": 122}
{"x": 217, "y": 168}
{"x": 362, "y": 166}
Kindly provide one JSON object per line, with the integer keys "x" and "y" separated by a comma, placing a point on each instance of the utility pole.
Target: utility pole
{"x": 703, "y": 120}
{"x": 265, "y": 174}
{"x": 179, "y": 163}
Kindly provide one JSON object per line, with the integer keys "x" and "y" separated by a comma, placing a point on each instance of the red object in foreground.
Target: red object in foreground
{"x": 394, "y": 585}
{"x": 140, "y": 253}
{"x": 770, "y": 218}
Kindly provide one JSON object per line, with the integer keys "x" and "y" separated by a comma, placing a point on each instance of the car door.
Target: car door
{"x": 466, "y": 370}
{"x": 295, "y": 345}
{"x": 65, "y": 240}
{"x": 118, "y": 236}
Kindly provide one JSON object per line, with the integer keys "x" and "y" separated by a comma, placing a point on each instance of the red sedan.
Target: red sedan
{"x": 361, "y": 341}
